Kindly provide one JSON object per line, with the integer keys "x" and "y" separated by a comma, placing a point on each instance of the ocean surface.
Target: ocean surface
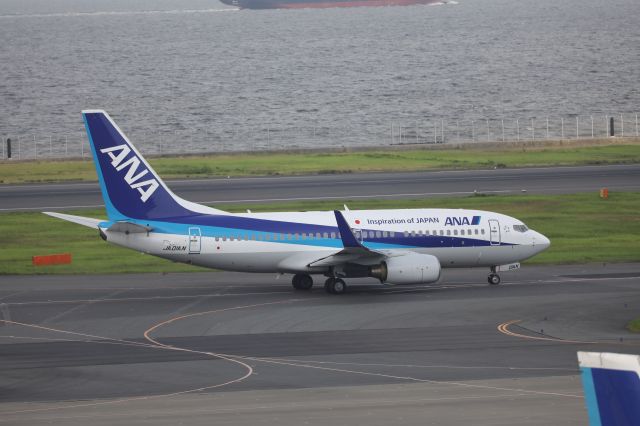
{"x": 195, "y": 76}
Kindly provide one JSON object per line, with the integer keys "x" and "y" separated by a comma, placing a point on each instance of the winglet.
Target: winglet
{"x": 348, "y": 239}
{"x": 611, "y": 387}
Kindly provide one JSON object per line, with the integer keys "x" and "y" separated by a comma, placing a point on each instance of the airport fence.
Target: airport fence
{"x": 277, "y": 138}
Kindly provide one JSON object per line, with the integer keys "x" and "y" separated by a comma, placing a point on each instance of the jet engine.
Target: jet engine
{"x": 411, "y": 268}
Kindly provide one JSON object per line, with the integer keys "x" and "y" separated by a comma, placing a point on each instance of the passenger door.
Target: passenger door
{"x": 494, "y": 232}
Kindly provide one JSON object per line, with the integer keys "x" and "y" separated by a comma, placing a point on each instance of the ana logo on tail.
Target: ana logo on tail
{"x": 118, "y": 155}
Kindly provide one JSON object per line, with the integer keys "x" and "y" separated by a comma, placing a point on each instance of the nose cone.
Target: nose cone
{"x": 540, "y": 241}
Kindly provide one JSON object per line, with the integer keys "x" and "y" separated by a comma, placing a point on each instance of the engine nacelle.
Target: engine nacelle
{"x": 411, "y": 268}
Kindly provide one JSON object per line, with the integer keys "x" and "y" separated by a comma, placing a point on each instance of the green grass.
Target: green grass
{"x": 582, "y": 228}
{"x": 323, "y": 163}
{"x": 634, "y": 325}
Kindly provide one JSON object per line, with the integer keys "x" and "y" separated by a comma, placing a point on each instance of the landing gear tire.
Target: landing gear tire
{"x": 302, "y": 282}
{"x": 335, "y": 286}
{"x": 493, "y": 279}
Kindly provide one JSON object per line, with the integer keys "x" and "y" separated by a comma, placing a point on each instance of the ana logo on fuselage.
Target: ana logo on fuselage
{"x": 118, "y": 155}
{"x": 457, "y": 221}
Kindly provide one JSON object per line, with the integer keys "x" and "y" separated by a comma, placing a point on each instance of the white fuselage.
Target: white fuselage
{"x": 457, "y": 237}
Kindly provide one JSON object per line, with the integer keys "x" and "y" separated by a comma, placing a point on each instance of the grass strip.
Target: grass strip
{"x": 634, "y": 325}
{"x": 331, "y": 163}
{"x": 582, "y": 228}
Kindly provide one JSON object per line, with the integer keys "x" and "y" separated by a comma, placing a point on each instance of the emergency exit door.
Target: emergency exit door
{"x": 194, "y": 240}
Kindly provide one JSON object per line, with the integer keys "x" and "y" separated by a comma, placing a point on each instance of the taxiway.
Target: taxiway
{"x": 248, "y": 349}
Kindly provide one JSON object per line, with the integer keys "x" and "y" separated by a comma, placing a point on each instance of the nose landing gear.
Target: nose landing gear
{"x": 493, "y": 278}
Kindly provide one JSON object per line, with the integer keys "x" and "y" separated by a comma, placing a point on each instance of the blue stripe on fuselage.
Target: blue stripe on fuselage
{"x": 258, "y": 229}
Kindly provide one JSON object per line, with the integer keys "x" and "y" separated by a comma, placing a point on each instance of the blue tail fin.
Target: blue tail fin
{"x": 130, "y": 187}
{"x": 611, "y": 388}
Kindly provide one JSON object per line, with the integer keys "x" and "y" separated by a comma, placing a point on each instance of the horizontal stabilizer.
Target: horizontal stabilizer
{"x": 129, "y": 228}
{"x": 84, "y": 221}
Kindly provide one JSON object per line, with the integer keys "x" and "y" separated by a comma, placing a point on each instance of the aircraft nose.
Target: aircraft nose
{"x": 541, "y": 241}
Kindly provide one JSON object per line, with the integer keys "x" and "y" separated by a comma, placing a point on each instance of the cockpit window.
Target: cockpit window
{"x": 520, "y": 228}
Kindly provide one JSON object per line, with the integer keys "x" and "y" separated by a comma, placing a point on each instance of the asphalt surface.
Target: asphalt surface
{"x": 229, "y": 348}
{"x": 348, "y": 186}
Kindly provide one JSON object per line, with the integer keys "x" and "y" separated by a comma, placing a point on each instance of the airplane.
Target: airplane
{"x": 611, "y": 385}
{"x": 409, "y": 246}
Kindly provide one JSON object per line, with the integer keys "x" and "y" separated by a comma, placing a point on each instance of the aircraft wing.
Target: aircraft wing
{"x": 353, "y": 250}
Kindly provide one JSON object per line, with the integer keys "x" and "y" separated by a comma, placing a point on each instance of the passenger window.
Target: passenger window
{"x": 318, "y": 235}
{"x": 455, "y": 232}
{"x": 441, "y": 232}
{"x": 303, "y": 236}
{"x": 378, "y": 234}
{"x": 217, "y": 238}
{"x": 406, "y": 233}
{"x": 482, "y": 232}
{"x": 224, "y": 238}
{"x": 462, "y": 232}
{"x": 392, "y": 234}
{"x": 476, "y": 232}
{"x": 448, "y": 231}
{"x": 385, "y": 234}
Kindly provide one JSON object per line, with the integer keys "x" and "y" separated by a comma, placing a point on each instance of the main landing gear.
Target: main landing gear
{"x": 493, "y": 278}
{"x": 335, "y": 286}
{"x": 331, "y": 285}
{"x": 302, "y": 282}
